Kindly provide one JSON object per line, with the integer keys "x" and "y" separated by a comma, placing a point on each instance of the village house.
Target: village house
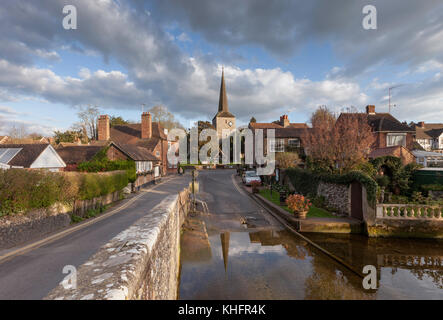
{"x": 30, "y": 156}
{"x": 429, "y": 136}
{"x": 392, "y": 137}
{"x": 288, "y": 136}
{"x": 147, "y": 135}
{"x": 73, "y": 155}
{"x": 147, "y": 165}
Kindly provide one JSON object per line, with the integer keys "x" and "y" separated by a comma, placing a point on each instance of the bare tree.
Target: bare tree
{"x": 88, "y": 117}
{"x": 338, "y": 144}
{"x": 17, "y": 133}
{"x": 164, "y": 117}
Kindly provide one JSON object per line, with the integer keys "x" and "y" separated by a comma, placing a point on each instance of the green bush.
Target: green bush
{"x": 105, "y": 165}
{"x": 99, "y": 184}
{"x": 23, "y": 190}
{"x": 382, "y": 181}
{"x": 306, "y": 182}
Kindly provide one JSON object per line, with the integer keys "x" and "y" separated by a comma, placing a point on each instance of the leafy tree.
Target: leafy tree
{"x": 117, "y": 121}
{"x": 253, "y": 120}
{"x": 69, "y": 136}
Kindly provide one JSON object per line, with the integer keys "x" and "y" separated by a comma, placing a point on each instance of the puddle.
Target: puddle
{"x": 223, "y": 258}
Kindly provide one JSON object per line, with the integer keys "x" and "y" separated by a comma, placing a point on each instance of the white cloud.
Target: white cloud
{"x": 156, "y": 71}
{"x": 183, "y": 37}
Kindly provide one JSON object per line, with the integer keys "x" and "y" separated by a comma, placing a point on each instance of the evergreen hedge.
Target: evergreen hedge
{"x": 101, "y": 163}
{"x": 306, "y": 182}
{"x": 22, "y": 190}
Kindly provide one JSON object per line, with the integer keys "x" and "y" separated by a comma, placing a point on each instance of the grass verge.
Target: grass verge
{"x": 314, "y": 212}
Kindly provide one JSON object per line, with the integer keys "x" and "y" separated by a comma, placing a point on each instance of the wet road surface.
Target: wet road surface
{"x": 237, "y": 251}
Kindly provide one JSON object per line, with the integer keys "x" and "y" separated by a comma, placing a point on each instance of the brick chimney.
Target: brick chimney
{"x": 103, "y": 128}
{"x": 284, "y": 121}
{"x": 146, "y": 125}
{"x": 370, "y": 109}
{"x": 421, "y": 124}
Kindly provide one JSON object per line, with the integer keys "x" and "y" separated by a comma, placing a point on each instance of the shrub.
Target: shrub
{"x": 306, "y": 182}
{"x": 298, "y": 203}
{"x": 23, "y": 190}
{"x": 319, "y": 201}
{"x": 382, "y": 181}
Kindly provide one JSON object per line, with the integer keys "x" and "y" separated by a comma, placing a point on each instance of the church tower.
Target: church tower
{"x": 223, "y": 120}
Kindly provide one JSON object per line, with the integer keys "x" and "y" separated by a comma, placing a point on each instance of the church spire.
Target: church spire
{"x": 223, "y": 102}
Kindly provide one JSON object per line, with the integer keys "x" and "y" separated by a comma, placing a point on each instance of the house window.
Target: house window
{"x": 395, "y": 139}
{"x": 157, "y": 153}
{"x": 294, "y": 143}
{"x": 277, "y": 145}
{"x": 143, "y": 166}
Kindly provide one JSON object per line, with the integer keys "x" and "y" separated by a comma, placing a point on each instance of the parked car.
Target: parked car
{"x": 250, "y": 176}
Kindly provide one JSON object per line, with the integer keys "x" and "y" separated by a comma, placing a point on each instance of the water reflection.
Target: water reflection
{"x": 274, "y": 264}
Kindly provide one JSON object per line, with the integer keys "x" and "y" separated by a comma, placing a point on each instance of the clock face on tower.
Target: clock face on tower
{"x": 230, "y": 123}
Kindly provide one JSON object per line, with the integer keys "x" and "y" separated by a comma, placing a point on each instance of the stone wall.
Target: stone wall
{"x": 15, "y": 230}
{"x": 336, "y": 196}
{"x": 142, "y": 262}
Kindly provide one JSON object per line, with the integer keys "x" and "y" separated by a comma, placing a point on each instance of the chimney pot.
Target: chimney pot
{"x": 370, "y": 109}
{"x": 421, "y": 124}
{"x": 284, "y": 121}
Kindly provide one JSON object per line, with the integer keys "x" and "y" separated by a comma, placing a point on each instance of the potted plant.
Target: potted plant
{"x": 254, "y": 186}
{"x": 299, "y": 205}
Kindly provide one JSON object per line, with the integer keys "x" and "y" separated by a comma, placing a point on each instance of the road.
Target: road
{"x": 229, "y": 203}
{"x": 34, "y": 273}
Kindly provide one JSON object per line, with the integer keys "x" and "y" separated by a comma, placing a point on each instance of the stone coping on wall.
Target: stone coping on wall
{"x": 116, "y": 271}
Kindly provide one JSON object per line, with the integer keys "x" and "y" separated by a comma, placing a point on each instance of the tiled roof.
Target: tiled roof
{"x": 136, "y": 153}
{"x": 78, "y": 154}
{"x": 430, "y": 131}
{"x": 289, "y": 133}
{"x": 273, "y": 125}
{"x": 382, "y": 122}
{"x": 131, "y": 133}
{"x": 149, "y": 144}
{"x": 26, "y": 157}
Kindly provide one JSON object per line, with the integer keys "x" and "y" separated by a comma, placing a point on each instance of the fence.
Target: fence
{"x": 409, "y": 212}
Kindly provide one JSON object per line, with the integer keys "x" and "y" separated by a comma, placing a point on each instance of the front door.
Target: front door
{"x": 356, "y": 201}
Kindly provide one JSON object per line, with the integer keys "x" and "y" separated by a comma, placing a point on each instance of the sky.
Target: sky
{"x": 280, "y": 57}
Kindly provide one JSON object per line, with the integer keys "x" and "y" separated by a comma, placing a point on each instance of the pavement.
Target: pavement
{"x": 31, "y": 271}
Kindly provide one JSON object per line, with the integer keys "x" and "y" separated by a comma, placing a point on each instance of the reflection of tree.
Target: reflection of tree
{"x": 436, "y": 276}
{"x": 325, "y": 282}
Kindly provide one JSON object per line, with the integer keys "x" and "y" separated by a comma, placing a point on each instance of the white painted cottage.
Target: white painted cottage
{"x": 32, "y": 156}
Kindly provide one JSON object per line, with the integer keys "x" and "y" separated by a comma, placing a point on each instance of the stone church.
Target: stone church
{"x": 223, "y": 120}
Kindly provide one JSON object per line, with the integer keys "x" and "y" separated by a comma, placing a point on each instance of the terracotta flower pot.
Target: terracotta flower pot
{"x": 301, "y": 214}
